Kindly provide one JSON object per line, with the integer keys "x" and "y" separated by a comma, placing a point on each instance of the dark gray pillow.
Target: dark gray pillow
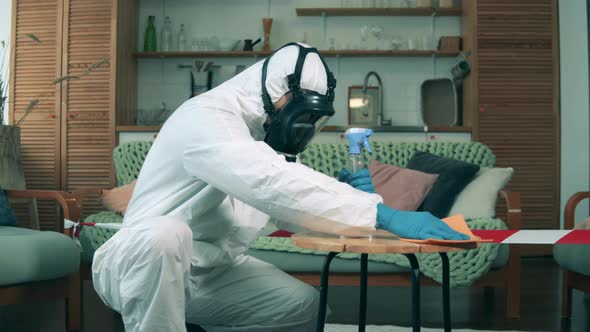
{"x": 454, "y": 175}
{"x": 7, "y": 217}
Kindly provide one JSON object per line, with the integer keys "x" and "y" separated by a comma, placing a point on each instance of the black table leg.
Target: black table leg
{"x": 324, "y": 292}
{"x": 415, "y": 292}
{"x": 363, "y": 297}
{"x": 446, "y": 292}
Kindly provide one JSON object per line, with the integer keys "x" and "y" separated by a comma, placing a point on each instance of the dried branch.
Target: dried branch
{"x": 65, "y": 78}
{"x": 30, "y": 107}
{"x": 33, "y": 38}
{"x": 33, "y": 104}
{"x": 3, "y": 80}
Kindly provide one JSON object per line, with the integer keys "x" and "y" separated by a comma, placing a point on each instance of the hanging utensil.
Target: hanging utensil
{"x": 198, "y": 65}
{"x": 208, "y": 66}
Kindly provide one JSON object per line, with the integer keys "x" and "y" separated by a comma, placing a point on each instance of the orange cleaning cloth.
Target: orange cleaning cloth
{"x": 457, "y": 223}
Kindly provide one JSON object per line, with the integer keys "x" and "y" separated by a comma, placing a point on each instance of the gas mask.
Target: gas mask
{"x": 292, "y": 128}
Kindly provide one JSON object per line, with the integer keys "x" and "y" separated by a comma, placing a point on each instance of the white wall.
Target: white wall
{"x": 161, "y": 80}
{"x": 574, "y": 102}
{"x": 5, "y": 15}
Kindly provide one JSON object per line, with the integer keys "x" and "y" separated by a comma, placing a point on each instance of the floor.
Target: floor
{"x": 471, "y": 308}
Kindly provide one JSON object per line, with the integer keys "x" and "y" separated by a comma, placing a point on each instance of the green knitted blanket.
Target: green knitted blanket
{"x": 331, "y": 158}
{"x": 327, "y": 158}
{"x": 95, "y": 236}
{"x": 465, "y": 266}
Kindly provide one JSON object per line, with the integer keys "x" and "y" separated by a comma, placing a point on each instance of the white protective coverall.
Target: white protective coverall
{"x": 208, "y": 185}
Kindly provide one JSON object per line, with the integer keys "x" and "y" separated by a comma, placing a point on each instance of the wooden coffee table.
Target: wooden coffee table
{"x": 381, "y": 243}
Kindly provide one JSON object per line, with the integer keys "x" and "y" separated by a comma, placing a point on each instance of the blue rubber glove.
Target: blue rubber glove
{"x": 360, "y": 180}
{"x": 343, "y": 175}
{"x": 415, "y": 225}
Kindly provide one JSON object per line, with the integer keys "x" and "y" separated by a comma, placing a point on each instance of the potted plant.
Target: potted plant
{"x": 11, "y": 168}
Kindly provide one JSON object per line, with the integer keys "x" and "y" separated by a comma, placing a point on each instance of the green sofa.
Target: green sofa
{"x": 573, "y": 258}
{"x": 491, "y": 265}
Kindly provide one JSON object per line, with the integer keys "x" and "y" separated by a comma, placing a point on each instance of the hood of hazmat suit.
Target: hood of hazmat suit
{"x": 210, "y": 167}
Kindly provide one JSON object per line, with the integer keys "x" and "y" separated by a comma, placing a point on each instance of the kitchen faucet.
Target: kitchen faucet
{"x": 382, "y": 121}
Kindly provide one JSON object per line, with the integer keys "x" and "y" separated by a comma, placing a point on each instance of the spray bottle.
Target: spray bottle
{"x": 357, "y": 137}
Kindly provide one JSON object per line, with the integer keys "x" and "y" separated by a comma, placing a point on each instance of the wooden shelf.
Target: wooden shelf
{"x": 402, "y": 53}
{"x": 326, "y": 53}
{"x": 131, "y": 128}
{"x": 336, "y": 129}
{"x": 378, "y": 11}
{"x": 402, "y": 129}
{"x": 191, "y": 54}
{"x": 446, "y": 129}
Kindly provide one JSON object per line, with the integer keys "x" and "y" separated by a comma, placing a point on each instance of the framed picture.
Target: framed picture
{"x": 363, "y": 107}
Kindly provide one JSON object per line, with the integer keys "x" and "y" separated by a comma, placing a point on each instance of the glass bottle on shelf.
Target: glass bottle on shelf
{"x": 181, "y": 39}
{"x": 364, "y": 35}
{"x": 304, "y": 37}
{"x": 149, "y": 42}
{"x": 166, "y": 35}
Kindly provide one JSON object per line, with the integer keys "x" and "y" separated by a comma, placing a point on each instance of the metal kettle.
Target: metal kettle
{"x": 249, "y": 44}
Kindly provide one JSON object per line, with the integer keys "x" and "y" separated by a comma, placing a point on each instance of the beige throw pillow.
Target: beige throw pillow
{"x": 478, "y": 199}
{"x": 118, "y": 198}
{"x": 583, "y": 225}
{"x": 401, "y": 188}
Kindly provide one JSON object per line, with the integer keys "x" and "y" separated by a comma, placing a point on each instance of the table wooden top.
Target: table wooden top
{"x": 381, "y": 243}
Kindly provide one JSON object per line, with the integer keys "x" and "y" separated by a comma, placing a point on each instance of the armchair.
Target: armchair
{"x": 42, "y": 264}
{"x": 572, "y": 258}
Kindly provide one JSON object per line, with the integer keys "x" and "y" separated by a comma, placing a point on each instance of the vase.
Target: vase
{"x": 12, "y": 175}
{"x": 266, "y": 26}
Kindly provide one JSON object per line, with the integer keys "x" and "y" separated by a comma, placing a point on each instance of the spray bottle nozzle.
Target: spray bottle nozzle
{"x": 367, "y": 144}
{"x": 358, "y": 137}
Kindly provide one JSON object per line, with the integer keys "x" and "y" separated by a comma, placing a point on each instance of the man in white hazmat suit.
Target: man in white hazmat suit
{"x": 208, "y": 186}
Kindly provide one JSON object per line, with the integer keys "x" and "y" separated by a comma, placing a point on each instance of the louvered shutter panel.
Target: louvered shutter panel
{"x": 518, "y": 95}
{"x": 34, "y": 67}
{"x": 88, "y": 122}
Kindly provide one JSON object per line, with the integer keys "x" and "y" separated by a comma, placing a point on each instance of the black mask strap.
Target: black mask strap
{"x": 294, "y": 80}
